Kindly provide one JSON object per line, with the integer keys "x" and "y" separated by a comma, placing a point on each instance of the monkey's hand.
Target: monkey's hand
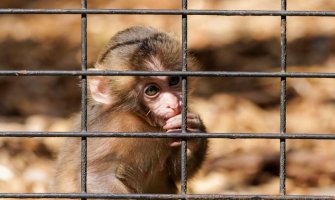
{"x": 194, "y": 125}
{"x": 196, "y": 147}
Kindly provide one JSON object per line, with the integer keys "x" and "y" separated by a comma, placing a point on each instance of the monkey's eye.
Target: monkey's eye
{"x": 151, "y": 90}
{"x": 174, "y": 80}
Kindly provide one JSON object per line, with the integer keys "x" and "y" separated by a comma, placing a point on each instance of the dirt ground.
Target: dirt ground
{"x": 227, "y": 105}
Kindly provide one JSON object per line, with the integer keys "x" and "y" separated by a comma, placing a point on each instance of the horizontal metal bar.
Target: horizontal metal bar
{"x": 165, "y": 73}
{"x": 157, "y": 196}
{"x": 169, "y": 12}
{"x": 330, "y": 136}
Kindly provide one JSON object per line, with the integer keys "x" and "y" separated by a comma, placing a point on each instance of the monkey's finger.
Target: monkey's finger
{"x": 173, "y": 123}
{"x": 193, "y": 130}
{"x": 174, "y": 142}
{"x": 193, "y": 121}
{"x": 179, "y": 116}
{"x": 193, "y": 116}
{"x": 176, "y": 117}
{"x": 174, "y": 131}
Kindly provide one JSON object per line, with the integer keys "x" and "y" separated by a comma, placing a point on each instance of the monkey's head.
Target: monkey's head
{"x": 140, "y": 48}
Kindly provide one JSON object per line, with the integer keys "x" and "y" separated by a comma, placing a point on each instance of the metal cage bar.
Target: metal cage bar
{"x": 171, "y": 12}
{"x": 83, "y": 173}
{"x": 282, "y": 151}
{"x": 166, "y": 73}
{"x": 295, "y": 136}
{"x": 184, "y": 103}
{"x": 184, "y": 12}
{"x": 163, "y": 196}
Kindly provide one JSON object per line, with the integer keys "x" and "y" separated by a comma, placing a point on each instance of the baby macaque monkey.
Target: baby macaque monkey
{"x": 134, "y": 104}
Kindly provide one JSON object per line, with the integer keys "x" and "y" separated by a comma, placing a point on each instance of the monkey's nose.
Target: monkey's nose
{"x": 175, "y": 107}
{"x": 172, "y": 102}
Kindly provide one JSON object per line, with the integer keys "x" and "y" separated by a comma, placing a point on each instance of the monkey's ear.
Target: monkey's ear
{"x": 99, "y": 89}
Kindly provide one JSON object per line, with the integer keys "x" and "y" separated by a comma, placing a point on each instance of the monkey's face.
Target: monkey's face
{"x": 162, "y": 96}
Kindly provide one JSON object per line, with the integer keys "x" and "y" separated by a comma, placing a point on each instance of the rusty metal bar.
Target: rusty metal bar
{"x": 166, "y": 73}
{"x": 282, "y": 165}
{"x": 183, "y": 174}
{"x": 294, "y": 136}
{"x": 171, "y": 12}
{"x": 162, "y": 196}
{"x": 83, "y": 174}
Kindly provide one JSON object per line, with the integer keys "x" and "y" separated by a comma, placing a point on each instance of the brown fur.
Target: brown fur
{"x": 128, "y": 165}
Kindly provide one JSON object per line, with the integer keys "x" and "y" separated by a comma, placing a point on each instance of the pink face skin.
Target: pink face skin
{"x": 162, "y": 95}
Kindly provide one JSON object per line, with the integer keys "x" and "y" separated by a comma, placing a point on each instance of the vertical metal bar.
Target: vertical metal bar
{"x": 282, "y": 172}
{"x": 184, "y": 101}
{"x": 84, "y": 99}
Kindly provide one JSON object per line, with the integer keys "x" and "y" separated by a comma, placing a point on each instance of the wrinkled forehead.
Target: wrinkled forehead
{"x": 153, "y": 78}
{"x": 154, "y": 63}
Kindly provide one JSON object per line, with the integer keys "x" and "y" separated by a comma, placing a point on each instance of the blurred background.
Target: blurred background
{"x": 250, "y": 105}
